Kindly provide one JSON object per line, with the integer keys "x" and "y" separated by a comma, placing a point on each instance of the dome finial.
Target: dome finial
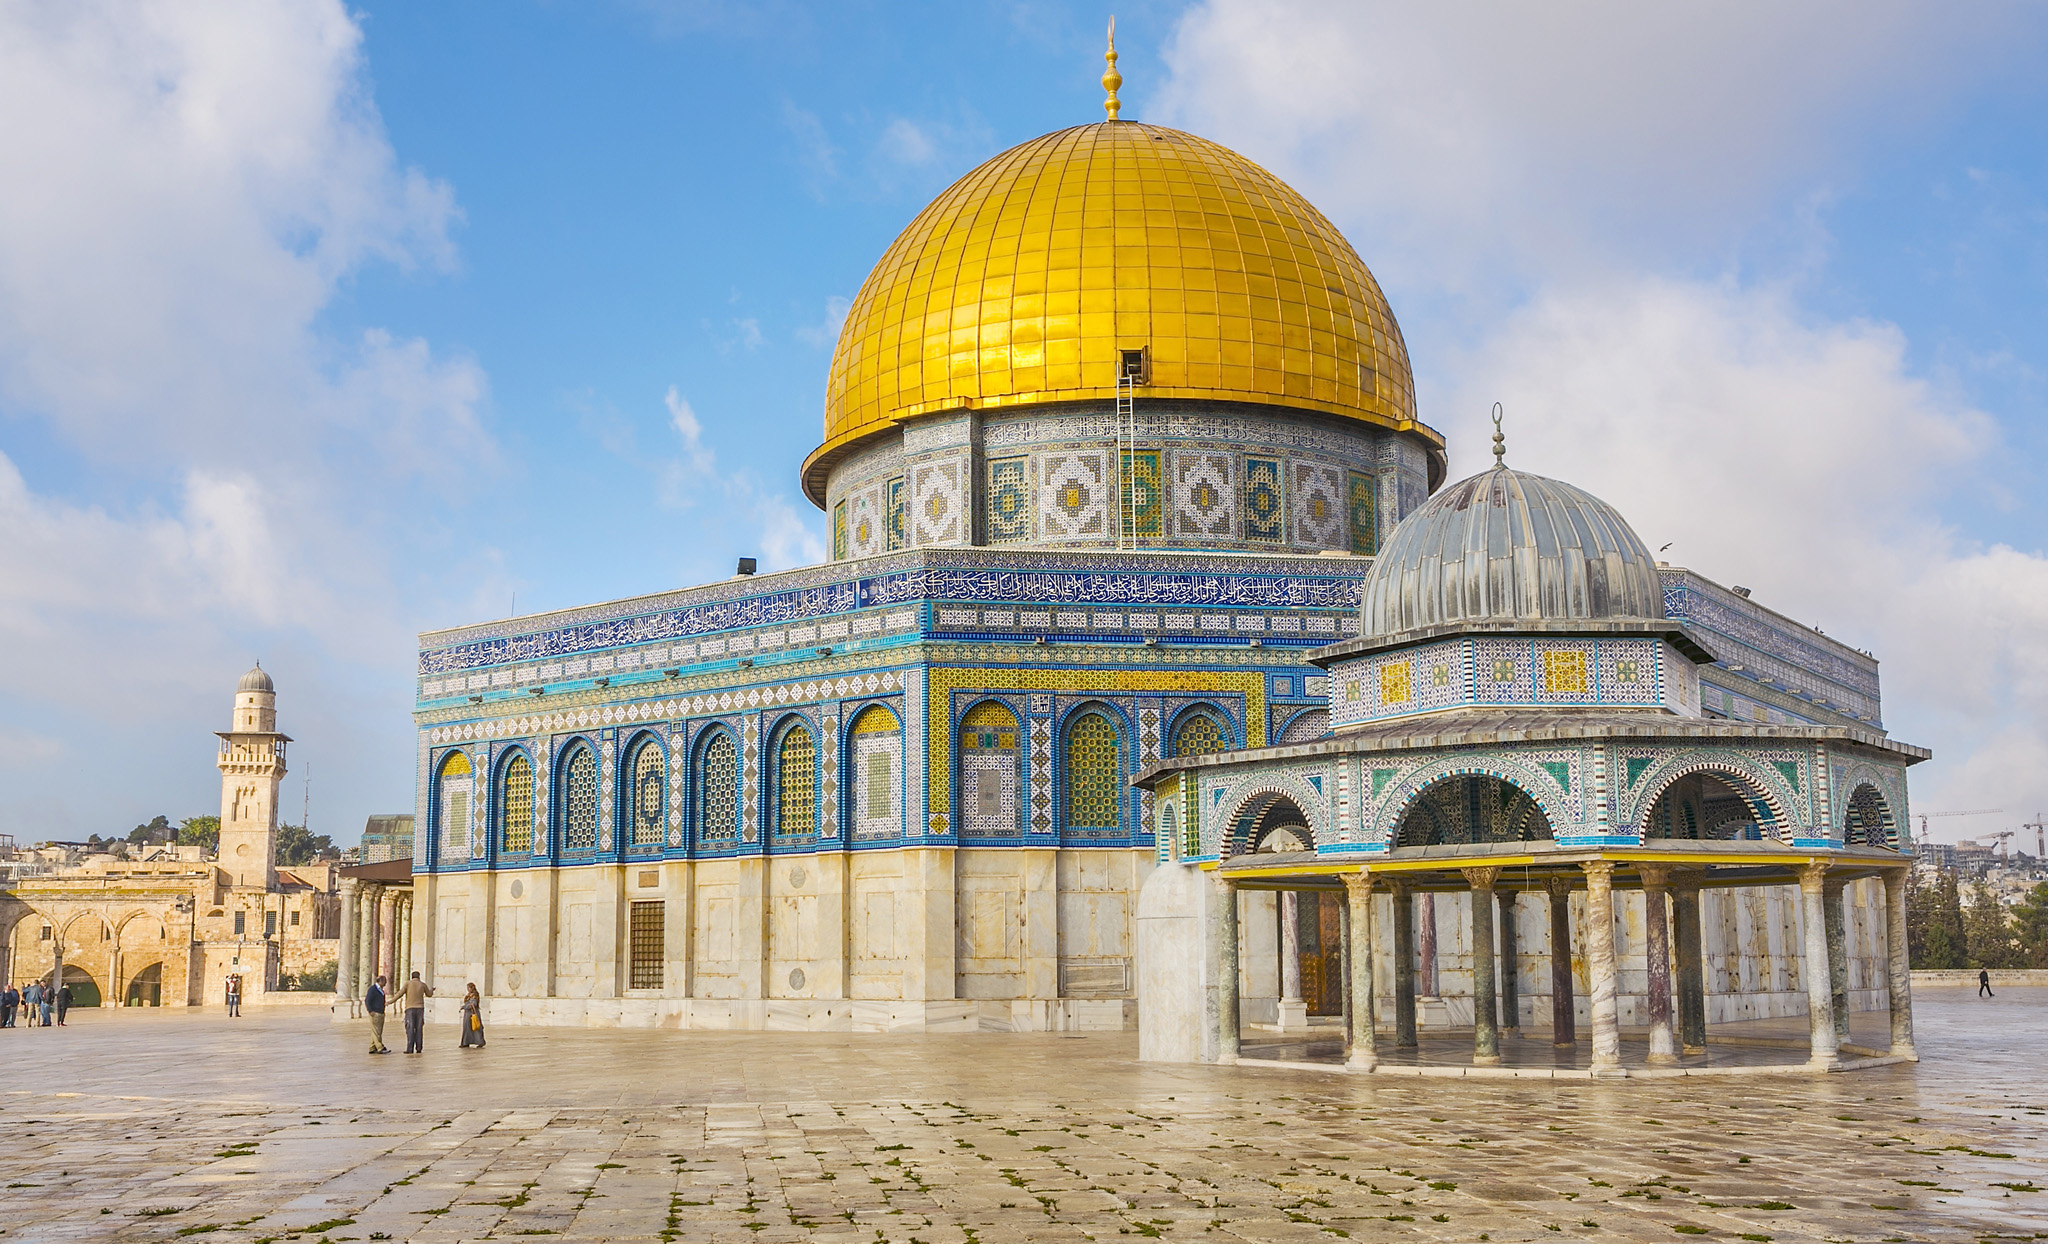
{"x": 1111, "y": 79}
{"x": 1500, "y": 443}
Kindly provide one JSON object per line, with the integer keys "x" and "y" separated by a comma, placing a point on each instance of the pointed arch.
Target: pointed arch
{"x": 990, "y": 765}
{"x": 1761, "y": 793}
{"x": 1867, "y": 820}
{"x": 643, "y": 790}
{"x": 874, "y": 749}
{"x": 1471, "y": 808}
{"x": 454, "y": 808}
{"x": 1200, "y": 729}
{"x": 718, "y": 787}
{"x": 1542, "y": 788}
{"x": 795, "y": 777}
{"x": 576, "y": 796}
{"x": 513, "y": 803}
{"x": 1091, "y": 756}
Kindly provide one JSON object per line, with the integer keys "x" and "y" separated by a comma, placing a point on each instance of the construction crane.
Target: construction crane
{"x": 2002, "y": 838}
{"x": 1926, "y": 816}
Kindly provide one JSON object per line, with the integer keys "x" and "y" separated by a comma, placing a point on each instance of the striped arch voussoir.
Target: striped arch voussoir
{"x": 1759, "y": 785}
{"x": 1402, "y": 794}
{"x": 1249, "y": 801}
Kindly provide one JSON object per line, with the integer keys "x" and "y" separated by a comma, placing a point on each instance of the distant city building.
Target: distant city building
{"x": 160, "y": 924}
{"x": 387, "y": 837}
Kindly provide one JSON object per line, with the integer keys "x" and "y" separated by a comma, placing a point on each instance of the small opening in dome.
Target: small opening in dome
{"x": 1133, "y": 365}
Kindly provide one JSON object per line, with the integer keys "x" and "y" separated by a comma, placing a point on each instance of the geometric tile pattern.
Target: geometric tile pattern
{"x": 938, "y": 503}
{"x": 1322, "y": 517}
{"x": 515, "y": 817}
{"x": 1204, "y": 494}
{"x": 646, "y": 802}
{"x": 1041, "y": 775}
{"x": 1265, "y": 516}
{"x": 1143, "y": 511}
{"x": 1199, "y": 734}
{"x": 579, "y": 800}
{"x": 896, "y": 507}
{"x": 1364, "y": 514}
{"x": 1093, "y": 773}
{"x": 865, "y": 523}
{"x": 718, "y": 790}
{"x": 1073, "y": 497}
{"x": 750, "y": 778}
{"x": 1009, "y": 500}
{"x": 796, "y": 769}
{"x": 877, "y": 786}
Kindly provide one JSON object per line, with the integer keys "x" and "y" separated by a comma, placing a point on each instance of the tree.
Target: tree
{"x": 1934, "y": 921}
{"x": 158, "y": 830}
{"x": 2030, "y": 928}
{"x": 296, "y": 846}
{"x": 200, "y": 831}
{"x": 1987, "y": 930}
{"x": 318, "y": 979}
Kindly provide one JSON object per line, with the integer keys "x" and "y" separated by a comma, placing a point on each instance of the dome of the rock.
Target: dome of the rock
{"x": 1029, "y": 279}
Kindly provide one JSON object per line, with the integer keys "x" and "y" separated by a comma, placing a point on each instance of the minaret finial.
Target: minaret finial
{"x": 1500, "y": 443}
{"x": 1111, "y": 79}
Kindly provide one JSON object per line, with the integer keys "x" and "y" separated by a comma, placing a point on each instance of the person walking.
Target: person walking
{"x": 46, "y": 1001}
{"x": 416, "y": 994}
{"x": 234, "y": 996}
{"x": 63, "y": 1003}
{"x": 373, "y": 1006}
{"x": 1984, "y": 983}
{"x": 31, "y": 1001}
{"x": 472, "y": 1018}
{"x": 10, "y": 1001}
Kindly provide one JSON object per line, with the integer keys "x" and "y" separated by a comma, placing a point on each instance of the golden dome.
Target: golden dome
{"x": 1025, "y": 280}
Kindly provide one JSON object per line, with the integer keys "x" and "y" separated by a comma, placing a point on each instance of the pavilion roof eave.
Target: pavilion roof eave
{"x": 1465, "y": 727}
{"x": 1723, "y": 863}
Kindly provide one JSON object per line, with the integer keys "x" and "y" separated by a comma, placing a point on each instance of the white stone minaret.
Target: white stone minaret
{"x": 251, "y": 766}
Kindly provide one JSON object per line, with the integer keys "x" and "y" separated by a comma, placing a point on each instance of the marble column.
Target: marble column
{"x": 345, "y": 950}
{"x": 372, "y": 907}
{"x": 1364, "y": 1055}
{"x": 1813, "y": 968}
{"x": 1657, "y": 936}
{"x": 402, "y": 960}
{"x": 1510, "y": 955}
{"x": 1690, "y": 977}
{"x": 1898, "y": 964}
{"x": 387, "y": 933}
{"x": 1563, "y": 1024}
{"x": 1834, "y": 903}
{"x": 1404, "y": 966}
{"x": 1600, "y": 965}
{"x": 1485, "y": 1006}
{"x": 1425, "y": 945}
{"x": 1293, "y": 1011}
{"x": 1223, "y": 957}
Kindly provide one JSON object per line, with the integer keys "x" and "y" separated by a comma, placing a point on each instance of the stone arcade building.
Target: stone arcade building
{"x": 1113, "y": 434}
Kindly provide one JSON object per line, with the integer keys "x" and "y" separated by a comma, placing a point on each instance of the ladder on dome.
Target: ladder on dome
{"x": 1126, "y": 458}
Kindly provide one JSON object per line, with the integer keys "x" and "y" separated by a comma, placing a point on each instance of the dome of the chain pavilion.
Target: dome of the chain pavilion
{"x": 1507, "y": 546}
{"x": 1026, "y": 279}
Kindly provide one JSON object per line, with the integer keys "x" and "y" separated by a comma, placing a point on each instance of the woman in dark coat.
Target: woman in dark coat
{"x": 472, "y": 1017}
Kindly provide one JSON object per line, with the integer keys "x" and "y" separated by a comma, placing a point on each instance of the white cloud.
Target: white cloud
{"x": 774, "y": 526}
{"x": 1803, "y": 459}
{"x": 1465, "y": 144}
{"x": 825, "y": 334}
{"x": 188, "y": 188}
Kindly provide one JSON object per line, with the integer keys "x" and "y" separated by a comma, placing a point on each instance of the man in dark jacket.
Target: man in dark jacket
{"x": 63, "y": 1004}
{"x": 373, "y": 1006}
{"x": 10, "y": 999}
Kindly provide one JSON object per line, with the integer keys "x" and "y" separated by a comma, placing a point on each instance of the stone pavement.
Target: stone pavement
{"x": 162, "y": 1125}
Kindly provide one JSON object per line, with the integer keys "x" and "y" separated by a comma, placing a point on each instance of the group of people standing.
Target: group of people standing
{"x": 35, "y": 1000}
{"x": 413, "y": 997}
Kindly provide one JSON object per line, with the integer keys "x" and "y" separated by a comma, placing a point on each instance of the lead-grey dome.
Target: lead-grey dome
{"x": 1504, "y": 546}
{"x": 254, "y": 680}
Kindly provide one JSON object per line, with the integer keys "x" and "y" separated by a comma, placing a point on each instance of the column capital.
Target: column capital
{"x": 1559, "y": 887}
{"x": 1834, "y": 885}
{"x": 1812, "y": 876}
{"x": 1359, "y": 882}
{"x": 349, "y": 885}
{"x": 1481, "y": 877}
{"x": 1599, "y": 873}
{"x": 1656, "y": 876}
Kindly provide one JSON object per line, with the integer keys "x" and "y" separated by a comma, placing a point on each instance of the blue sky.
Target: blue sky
{"x": 322, "y": 326}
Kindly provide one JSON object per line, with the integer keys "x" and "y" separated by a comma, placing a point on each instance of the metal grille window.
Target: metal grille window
{"x": 647, "y": 794}
{"x": 796, "y": 762}
{"x": 579, "y": 801}
{"x": 718, "y": 814}
{"x": 1094, "y": 788}
{"x": 646, "y": 934}
{"x": 515, "y": 798}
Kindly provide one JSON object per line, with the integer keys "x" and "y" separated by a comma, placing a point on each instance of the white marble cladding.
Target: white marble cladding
{"x": 706, "y": 650}
{"x": 1505, "y": 671}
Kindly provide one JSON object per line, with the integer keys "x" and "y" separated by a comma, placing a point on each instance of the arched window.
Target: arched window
{"x": 1094, "y": 774}
{"x": 579, "y": 799}
{"x": 989, "y": 805}
{"x": 457, "y": 784}
{"x": 646, "y": 800}
{"x": 1313, "y": 724}
{"x": 515, "y": 807}
{"x": 875, "y": 748}
{"x": 796, "y": 783}
{"x": 1199, "y": 734}
{"x": 718, "y": 790}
